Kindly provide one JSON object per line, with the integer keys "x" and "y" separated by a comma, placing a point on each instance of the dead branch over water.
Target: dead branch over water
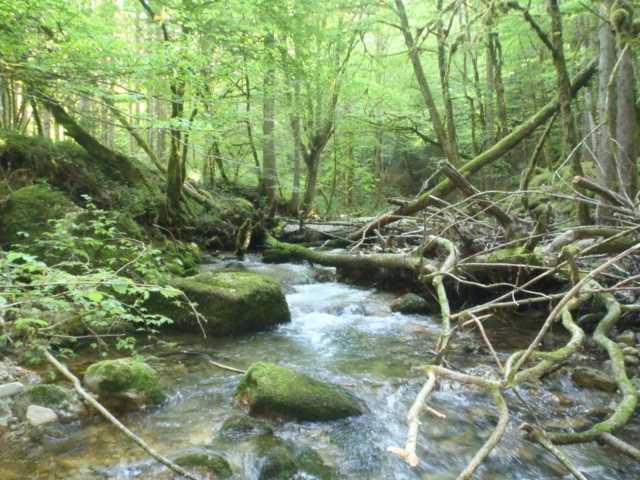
{"x": 510, "y": 262}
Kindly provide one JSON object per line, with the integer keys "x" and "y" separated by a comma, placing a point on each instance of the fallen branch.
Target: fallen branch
{"x": 114, "y": 421}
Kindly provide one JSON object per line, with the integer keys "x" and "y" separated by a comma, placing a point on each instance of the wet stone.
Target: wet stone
{"x": 37, "y": 415}
{"x": 592, "y": 378}
{"x": 631, "y": 361}
{"x": 238, "y": 426}
{"x": 634, "y": 352}
{"x": 569, "y": 424}
{"x": 50, "y": 430}
{"x": 599, "y": 413}
{"x": 628, "y": 337}
{"x": 6, "y": 415}
{"x": 11, "y": 389}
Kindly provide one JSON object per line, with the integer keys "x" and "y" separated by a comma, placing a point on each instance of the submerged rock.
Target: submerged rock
{"x": 569, "y": 424}
{"x": 52, "y": 430}
{"x": 276, "y": 461}
{"x": 63, "y": 402}
{"x": 6, "y": 415}
{"x": 411, "y": 303}
{"x": 206, "y": 462}
{"x": 231, "y": 303}
{"x": 592, "y": 378}
{"x": 272, "y": 391}
{"x": 124, "y": 384}
{"x": 243, "y": 425}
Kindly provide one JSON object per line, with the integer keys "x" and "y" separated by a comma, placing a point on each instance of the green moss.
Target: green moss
{"x": 231, "y": 302}
{"x": 276, "y": 460}
{"x": 29, "y": 210}
{"x": 211, "y": 463}
{"x": 55, "y": 397}
{"x": 125, "y": 379}
{"x": 274, "y": 391}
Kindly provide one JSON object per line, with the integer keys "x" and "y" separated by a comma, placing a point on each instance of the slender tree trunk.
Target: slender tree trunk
{"x": 626, "y": 120}
{"x": 297, "y": 151}
{"x": 564, "y": 95}
{"x": 447, "y": 146}
{"x": 268, "y": 180}
{"x": 605, "y": 158}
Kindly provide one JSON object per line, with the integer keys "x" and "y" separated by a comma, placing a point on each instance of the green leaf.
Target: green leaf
{"x": 119, "y": 288}
{"x": 94, "y": 296}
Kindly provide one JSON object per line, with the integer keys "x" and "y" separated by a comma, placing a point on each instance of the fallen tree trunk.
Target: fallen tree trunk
{"x": 486, "y": 158}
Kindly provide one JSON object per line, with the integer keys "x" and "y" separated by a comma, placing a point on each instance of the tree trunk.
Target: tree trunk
{"x": 447, "y": 146}
{"x": 564, "y": 94}
{"x": 268, "y": 180}
{"x": 605, "y": 158}
{"x": 626, "y": 124}
{"x": 117, "y": 164}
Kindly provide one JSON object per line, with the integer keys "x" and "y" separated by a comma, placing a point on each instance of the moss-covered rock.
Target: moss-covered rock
{"x": 276, "y": 460}
{"x": 277, "y": 392}
{"x": 207, "y": 463}
{"x": 231, "y": 303}
{"x": 124, "y": 384}
{"x": 63, "y": 402}
{"x": 411, "y": 303}
{"x": 29, "y": 210}
{"x": 312, "y": 463}
{"x": 238, "y": 426}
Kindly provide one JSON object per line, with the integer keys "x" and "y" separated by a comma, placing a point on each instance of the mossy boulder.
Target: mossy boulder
{"x": 206, "y": 463}
{"x": 593, "y": 378}
{"x": 411, "y": 303}
{"x": 29, "y": 210}
{"x": 231, "y": 303}
{"x": 124, "y": 384}
{"x": 63, "y": 402}
{"x": 276, "y": 460}
{"x": 238, "y": 426}
{"x": 276, "y": 392}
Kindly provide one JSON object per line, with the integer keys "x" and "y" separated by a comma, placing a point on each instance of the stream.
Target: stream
{"x": 347, "y": 335}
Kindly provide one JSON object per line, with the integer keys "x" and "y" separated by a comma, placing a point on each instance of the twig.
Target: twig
{"x": 534, "y": 436}
{"x": 114, "y": 421}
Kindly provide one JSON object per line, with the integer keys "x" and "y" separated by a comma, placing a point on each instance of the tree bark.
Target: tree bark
{"x": 268, "y": 180}
{"x": 117, "y": 164}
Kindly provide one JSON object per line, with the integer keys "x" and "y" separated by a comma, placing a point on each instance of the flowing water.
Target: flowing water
{"x": 341, "y": 334}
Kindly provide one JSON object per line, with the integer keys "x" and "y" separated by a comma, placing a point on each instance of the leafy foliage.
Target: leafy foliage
{"x": 79, "y": 280}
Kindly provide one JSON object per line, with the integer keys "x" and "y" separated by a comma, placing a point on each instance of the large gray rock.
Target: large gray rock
{"x": 272, "y": 391}
{"x": 593, "y": 378}
{"x": 37, "y": 415}
{"x": 11, "y": 389}
{"x": 124, "y": 384}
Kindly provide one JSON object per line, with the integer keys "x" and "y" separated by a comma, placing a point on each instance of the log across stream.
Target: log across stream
{"x": 347, "y": 335}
